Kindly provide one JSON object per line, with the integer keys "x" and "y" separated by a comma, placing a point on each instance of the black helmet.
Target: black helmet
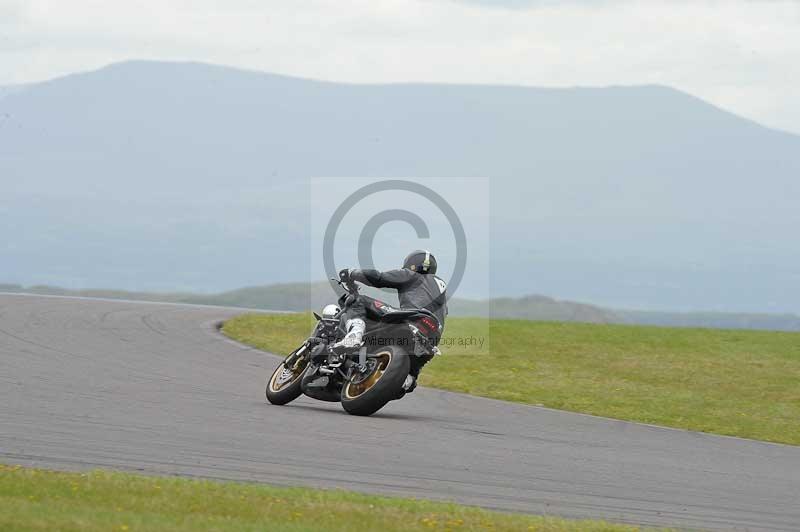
{"x": 420, "y": 261}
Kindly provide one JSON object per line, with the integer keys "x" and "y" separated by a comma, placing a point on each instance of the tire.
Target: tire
{"x": 382, "y": 385}
{"x": 281, "y": 393}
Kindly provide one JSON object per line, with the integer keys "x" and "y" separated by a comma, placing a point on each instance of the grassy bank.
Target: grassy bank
{"x": 739, "y": 383}
{"x": 32, "y": 499}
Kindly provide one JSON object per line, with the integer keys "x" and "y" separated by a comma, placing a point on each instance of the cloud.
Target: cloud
{"x": 533, "y": 4}
{"x": 507, "y": 4}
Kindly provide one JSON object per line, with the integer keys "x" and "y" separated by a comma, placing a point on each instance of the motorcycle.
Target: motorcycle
{"x": 363, "y": 380}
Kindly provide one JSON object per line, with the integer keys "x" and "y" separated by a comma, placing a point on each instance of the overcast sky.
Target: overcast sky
{"x": 743, "y": 55}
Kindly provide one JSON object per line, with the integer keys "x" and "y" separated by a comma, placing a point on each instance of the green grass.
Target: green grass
{"x": 739, "y": 383}
{"x": 32, "y": 499}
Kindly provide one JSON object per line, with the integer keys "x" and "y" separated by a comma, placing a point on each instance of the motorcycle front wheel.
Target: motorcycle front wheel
{"x": 284, "y": 385}
{"x": 368, "y": 392}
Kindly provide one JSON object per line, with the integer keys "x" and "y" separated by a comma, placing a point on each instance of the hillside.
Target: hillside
{"x": 189, "y": 177}
{"x": 304, "y": 297}
{"x": 6, "y": 90}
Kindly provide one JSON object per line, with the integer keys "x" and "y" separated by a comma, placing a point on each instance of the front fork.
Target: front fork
{"x": 307, "y": 350}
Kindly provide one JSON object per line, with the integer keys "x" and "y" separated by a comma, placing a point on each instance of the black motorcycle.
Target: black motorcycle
{"x": 364, "y": 379}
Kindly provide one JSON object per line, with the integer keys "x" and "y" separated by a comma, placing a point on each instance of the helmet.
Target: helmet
{"x": 420, "y": 261}
{"x": 330, "y": 311}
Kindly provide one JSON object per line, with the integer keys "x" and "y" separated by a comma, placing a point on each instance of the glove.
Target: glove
{"x": 344, "y": 275}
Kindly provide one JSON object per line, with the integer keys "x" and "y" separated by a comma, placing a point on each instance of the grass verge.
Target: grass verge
{"x": 738, "y": 383}
{"x": 33, "y": 499}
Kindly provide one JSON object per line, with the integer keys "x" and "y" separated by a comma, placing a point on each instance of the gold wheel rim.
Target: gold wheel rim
{"x": 353, "y": 390}
{"x": 283, "y": 377}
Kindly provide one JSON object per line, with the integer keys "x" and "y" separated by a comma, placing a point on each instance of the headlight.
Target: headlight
{"x": 330, "y": 311}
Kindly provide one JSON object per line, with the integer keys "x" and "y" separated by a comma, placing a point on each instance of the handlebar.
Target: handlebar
{"x": 350, "y": 287}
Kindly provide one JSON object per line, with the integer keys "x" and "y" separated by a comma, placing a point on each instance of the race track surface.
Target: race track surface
{"x": 155, "y": 388}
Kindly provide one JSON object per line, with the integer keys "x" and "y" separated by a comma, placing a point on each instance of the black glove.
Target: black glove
{"x": 344, "y": 275}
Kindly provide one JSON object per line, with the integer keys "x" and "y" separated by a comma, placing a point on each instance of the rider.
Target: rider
{"x": 417, "y": 287}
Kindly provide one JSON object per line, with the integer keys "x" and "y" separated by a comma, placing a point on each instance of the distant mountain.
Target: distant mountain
{"x": 188, "y": 177}
{"x": 304, "y": 297}
{"x": 712, "y": 320}
{"x": 6, "y": 90}
{"x": 533, "y": 307}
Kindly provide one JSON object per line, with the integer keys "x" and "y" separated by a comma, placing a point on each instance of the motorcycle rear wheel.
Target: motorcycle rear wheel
{"x": 284, "y": 385}
{"x": 366, "y": 394}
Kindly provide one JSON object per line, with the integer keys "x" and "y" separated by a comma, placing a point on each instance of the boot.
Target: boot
{"x": 410, "y": 384}
{"x": 354, "y": 337}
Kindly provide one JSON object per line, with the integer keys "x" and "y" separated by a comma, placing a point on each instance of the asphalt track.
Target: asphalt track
{"x": 155, "y": 388}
